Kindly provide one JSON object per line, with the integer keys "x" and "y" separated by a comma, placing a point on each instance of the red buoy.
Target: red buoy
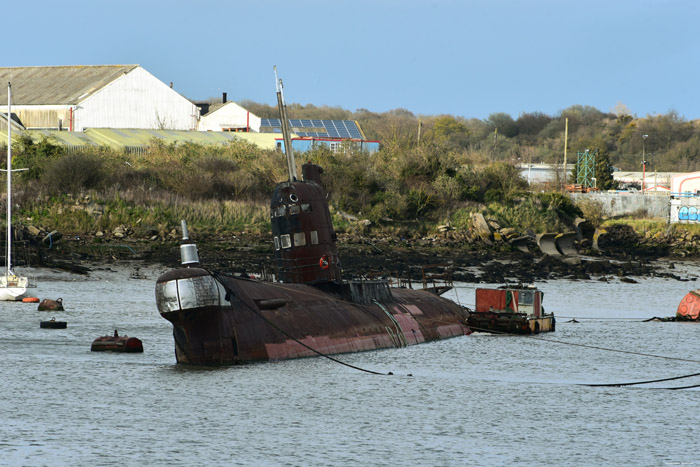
{"x": 117, "y": 343}
{"x": 689, "y": 308}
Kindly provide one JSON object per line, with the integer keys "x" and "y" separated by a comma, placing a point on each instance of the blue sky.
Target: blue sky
{"x": 464, "y": 58}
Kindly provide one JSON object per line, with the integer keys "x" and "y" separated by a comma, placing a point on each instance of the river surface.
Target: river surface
{"x": 473, "y": 400}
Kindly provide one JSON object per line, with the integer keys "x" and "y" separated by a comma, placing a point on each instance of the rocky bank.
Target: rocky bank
{"x": 622, "y": 255}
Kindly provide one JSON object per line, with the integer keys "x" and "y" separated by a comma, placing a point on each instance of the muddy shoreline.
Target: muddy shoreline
{"x": 365, "y": 257}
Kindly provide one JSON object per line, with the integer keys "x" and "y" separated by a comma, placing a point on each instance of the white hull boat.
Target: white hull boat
{"x": 12, "y": 286}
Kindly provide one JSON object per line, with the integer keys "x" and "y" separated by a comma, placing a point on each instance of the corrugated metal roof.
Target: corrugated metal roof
{"x": 16, "y": 124}
{"x": 119, "y": 139}
{"x": 64, "y": 138}
{"x": 58, "y": 85}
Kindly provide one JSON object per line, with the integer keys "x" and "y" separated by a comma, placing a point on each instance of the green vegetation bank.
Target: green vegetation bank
{"x": 431, "y": 173}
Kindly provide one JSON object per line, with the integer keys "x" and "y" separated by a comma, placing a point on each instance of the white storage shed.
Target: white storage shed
{"x": 76, "y": 98}
{"x": 229, "y": 116}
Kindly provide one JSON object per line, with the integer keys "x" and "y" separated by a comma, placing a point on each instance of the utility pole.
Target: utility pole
{"x": 644, "y": 161}
{"x": 495, "y": 143}
{"x": 566, "y": 140}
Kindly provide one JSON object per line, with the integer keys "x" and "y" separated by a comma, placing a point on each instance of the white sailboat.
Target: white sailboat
{"x": 12, "y": 286}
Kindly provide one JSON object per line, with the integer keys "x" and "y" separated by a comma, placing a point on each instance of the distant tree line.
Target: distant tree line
{"x": 668, "y": 142}
{"x": 430, "y": 170}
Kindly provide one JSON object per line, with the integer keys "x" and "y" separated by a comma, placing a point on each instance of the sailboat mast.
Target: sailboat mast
{"x": 9, "y": 178}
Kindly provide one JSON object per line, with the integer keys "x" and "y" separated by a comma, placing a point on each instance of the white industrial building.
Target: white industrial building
{"x": 229, "y": 116}
{"x": 76, "y": 98}
{"x": 685, "y": 198}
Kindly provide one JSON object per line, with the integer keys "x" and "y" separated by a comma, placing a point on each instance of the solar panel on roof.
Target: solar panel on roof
{"x": 271, "y": 122}
{"x": 317, "y": 128}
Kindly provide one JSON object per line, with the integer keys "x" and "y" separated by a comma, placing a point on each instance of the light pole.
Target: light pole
{"x": 644, "y": 162}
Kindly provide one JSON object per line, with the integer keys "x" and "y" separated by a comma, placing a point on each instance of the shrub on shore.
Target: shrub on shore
{"x": 226, "y": 189}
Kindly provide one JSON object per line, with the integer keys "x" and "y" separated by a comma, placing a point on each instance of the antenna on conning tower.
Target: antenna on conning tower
{"x": 291, "y": 165}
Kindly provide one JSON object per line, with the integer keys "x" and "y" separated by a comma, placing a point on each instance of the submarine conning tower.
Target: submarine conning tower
{"x": 302, "y": 230}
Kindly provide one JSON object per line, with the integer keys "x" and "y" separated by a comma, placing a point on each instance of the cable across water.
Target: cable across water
{"x": 554, "y": 341}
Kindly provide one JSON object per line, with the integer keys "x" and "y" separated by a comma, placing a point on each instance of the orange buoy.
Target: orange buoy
{"x": 689, "y": 308}
{"x": 30, "y": 300}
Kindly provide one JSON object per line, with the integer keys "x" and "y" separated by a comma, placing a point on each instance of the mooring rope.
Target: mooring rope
{"x": 604, "y": 318}
{"x": 642, "y": 382}
{"x": 282, "y": 331}
{"x": 309, "y": 347}
{"x": 216, "y": 275}
{"x": 607, "y": 349}
{"x": 618, "y": 351}
{"x": 683, "y": 387}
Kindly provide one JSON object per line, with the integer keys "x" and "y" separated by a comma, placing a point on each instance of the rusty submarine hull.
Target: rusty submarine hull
{"x": 310, "y": 309}
{"x": 228, "y": 320}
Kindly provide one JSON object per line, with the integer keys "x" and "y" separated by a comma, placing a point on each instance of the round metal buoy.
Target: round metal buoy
{"x": 51, "y": 305}
{"x": 53, "y": 324}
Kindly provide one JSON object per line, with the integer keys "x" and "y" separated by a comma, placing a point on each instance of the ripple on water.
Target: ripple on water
{"x": 473, "y": 400}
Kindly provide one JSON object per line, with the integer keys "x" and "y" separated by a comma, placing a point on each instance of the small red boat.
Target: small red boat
{"x": 510, "y": 309}
{"x": 117, "y": 343}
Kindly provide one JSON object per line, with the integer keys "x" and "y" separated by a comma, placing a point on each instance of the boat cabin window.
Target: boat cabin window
{"x": 306, "y": 207}
{"x": 294, "y": 209}
{"x": 277, "y": 243}
{"x": 526, "y": 297}
{"x": 286, "y": 241}
{"x": 314, "y": 237}
{"x": 299, "y": 239}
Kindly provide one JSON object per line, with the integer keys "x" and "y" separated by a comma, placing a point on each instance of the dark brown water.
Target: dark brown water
{"x": 473, "y": 400}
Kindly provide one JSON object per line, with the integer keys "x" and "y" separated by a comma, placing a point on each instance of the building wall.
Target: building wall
{"x": 41, "y": 116}
{"x": 648, "y": 178}
{"x": 545, "y": 173}
{"x": 685, "y": 184}
{"x": 230, "y": 115}
{"x": 136, "y": 100}
{"x": 685, "y": 210}
{"x": 303, "y": 145}
{"x": 623, "y": 204}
